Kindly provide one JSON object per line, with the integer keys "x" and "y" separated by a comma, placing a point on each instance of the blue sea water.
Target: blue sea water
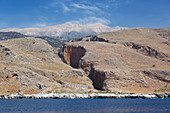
{"x": 85, "y": 106}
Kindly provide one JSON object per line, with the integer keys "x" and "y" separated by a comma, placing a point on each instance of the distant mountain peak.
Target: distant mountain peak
{"x": 65, "y": 30}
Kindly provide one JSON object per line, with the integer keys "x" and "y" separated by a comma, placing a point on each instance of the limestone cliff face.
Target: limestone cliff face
{"x": 116, "y": 67}
{"x": 98, "y": 78}
{"x": 72, "y": 55}
{"x": 133, "y": 60}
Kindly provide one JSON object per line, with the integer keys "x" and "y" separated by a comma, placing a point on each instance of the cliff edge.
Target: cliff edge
{"x": 128, "y": 61}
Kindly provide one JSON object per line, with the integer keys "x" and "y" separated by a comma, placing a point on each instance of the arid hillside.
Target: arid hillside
{"x": 164, "y": 32}
{"x": 54, "y": 42}
{"x": 133, "y": 60}
{"x": 29, "y": 65}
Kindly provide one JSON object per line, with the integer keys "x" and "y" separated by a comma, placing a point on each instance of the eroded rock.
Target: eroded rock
{"x": 31, "y": 65}
{"x": 114, "y": 67}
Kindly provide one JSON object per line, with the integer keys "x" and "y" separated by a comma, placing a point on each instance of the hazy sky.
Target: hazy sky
{"x": 124, "y": 13}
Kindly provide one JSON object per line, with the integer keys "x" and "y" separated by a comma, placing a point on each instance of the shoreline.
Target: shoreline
{"x": 86, "y": 96}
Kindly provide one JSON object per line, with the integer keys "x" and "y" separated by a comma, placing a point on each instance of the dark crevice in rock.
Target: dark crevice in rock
{"x": 91, "y": 38}
{"x": 60, "y": 82}
{"x": 15, "y": 75}
{"x": 96, "y": 38}
{"x": 161, "y": 75}
{"x": 72, "y": 56}
{"x": 146, "y": 50}
{"x": 96, "y": 76}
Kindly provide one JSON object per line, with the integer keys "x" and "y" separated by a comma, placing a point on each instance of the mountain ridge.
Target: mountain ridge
{"x": 67, "y": 31}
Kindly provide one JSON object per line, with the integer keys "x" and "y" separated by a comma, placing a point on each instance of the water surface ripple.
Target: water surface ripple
{"x": 85, "y": 106}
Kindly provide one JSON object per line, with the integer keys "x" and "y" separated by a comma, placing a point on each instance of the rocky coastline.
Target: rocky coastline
{"x": 86, "y": 96}
{"x": 133, "y": 61}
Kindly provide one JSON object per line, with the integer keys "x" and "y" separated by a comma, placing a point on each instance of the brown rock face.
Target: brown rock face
{"x": 98, "y": 78}
{"x": 147, "y": 50}
{"x": 72, "y": 55}
{"x": 125, "y": 65}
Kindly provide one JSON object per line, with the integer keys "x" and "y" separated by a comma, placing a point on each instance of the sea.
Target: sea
{"x": 85, "y": 106}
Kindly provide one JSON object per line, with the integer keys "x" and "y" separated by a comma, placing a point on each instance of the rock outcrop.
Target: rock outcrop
{"x": 164, "y": 32}
{"x": 30, "y": 66}
{"x": 72, "y": 55}
{"x": 126, "y": 63}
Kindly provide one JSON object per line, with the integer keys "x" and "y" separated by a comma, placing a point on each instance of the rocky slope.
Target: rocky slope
{"x": 54, "y": 42}
{"x": 130, "y": 61}
{"x": 65, "y": 31}
{"x": 134, "y": 60}
{"x": 164, "y": 32}
{"x": 10, "y": 35}
{"x": 143, "y": 40}
{"x": 29, "y": 65}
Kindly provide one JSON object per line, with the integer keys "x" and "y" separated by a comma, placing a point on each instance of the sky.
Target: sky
{"x": 124, "y": 13}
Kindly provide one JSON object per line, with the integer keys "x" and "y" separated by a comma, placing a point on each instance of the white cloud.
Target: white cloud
{"x": 57, "y": 4}
{"x": 65, "y": 8}
{"x": 90, "y": 20}
{"x": 86, "y": 7}
{"x": 90, "y": 12}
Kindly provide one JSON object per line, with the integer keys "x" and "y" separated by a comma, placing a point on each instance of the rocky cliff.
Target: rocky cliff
{"x": 29, "y": 66}
{"x": 131, "y": 61}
